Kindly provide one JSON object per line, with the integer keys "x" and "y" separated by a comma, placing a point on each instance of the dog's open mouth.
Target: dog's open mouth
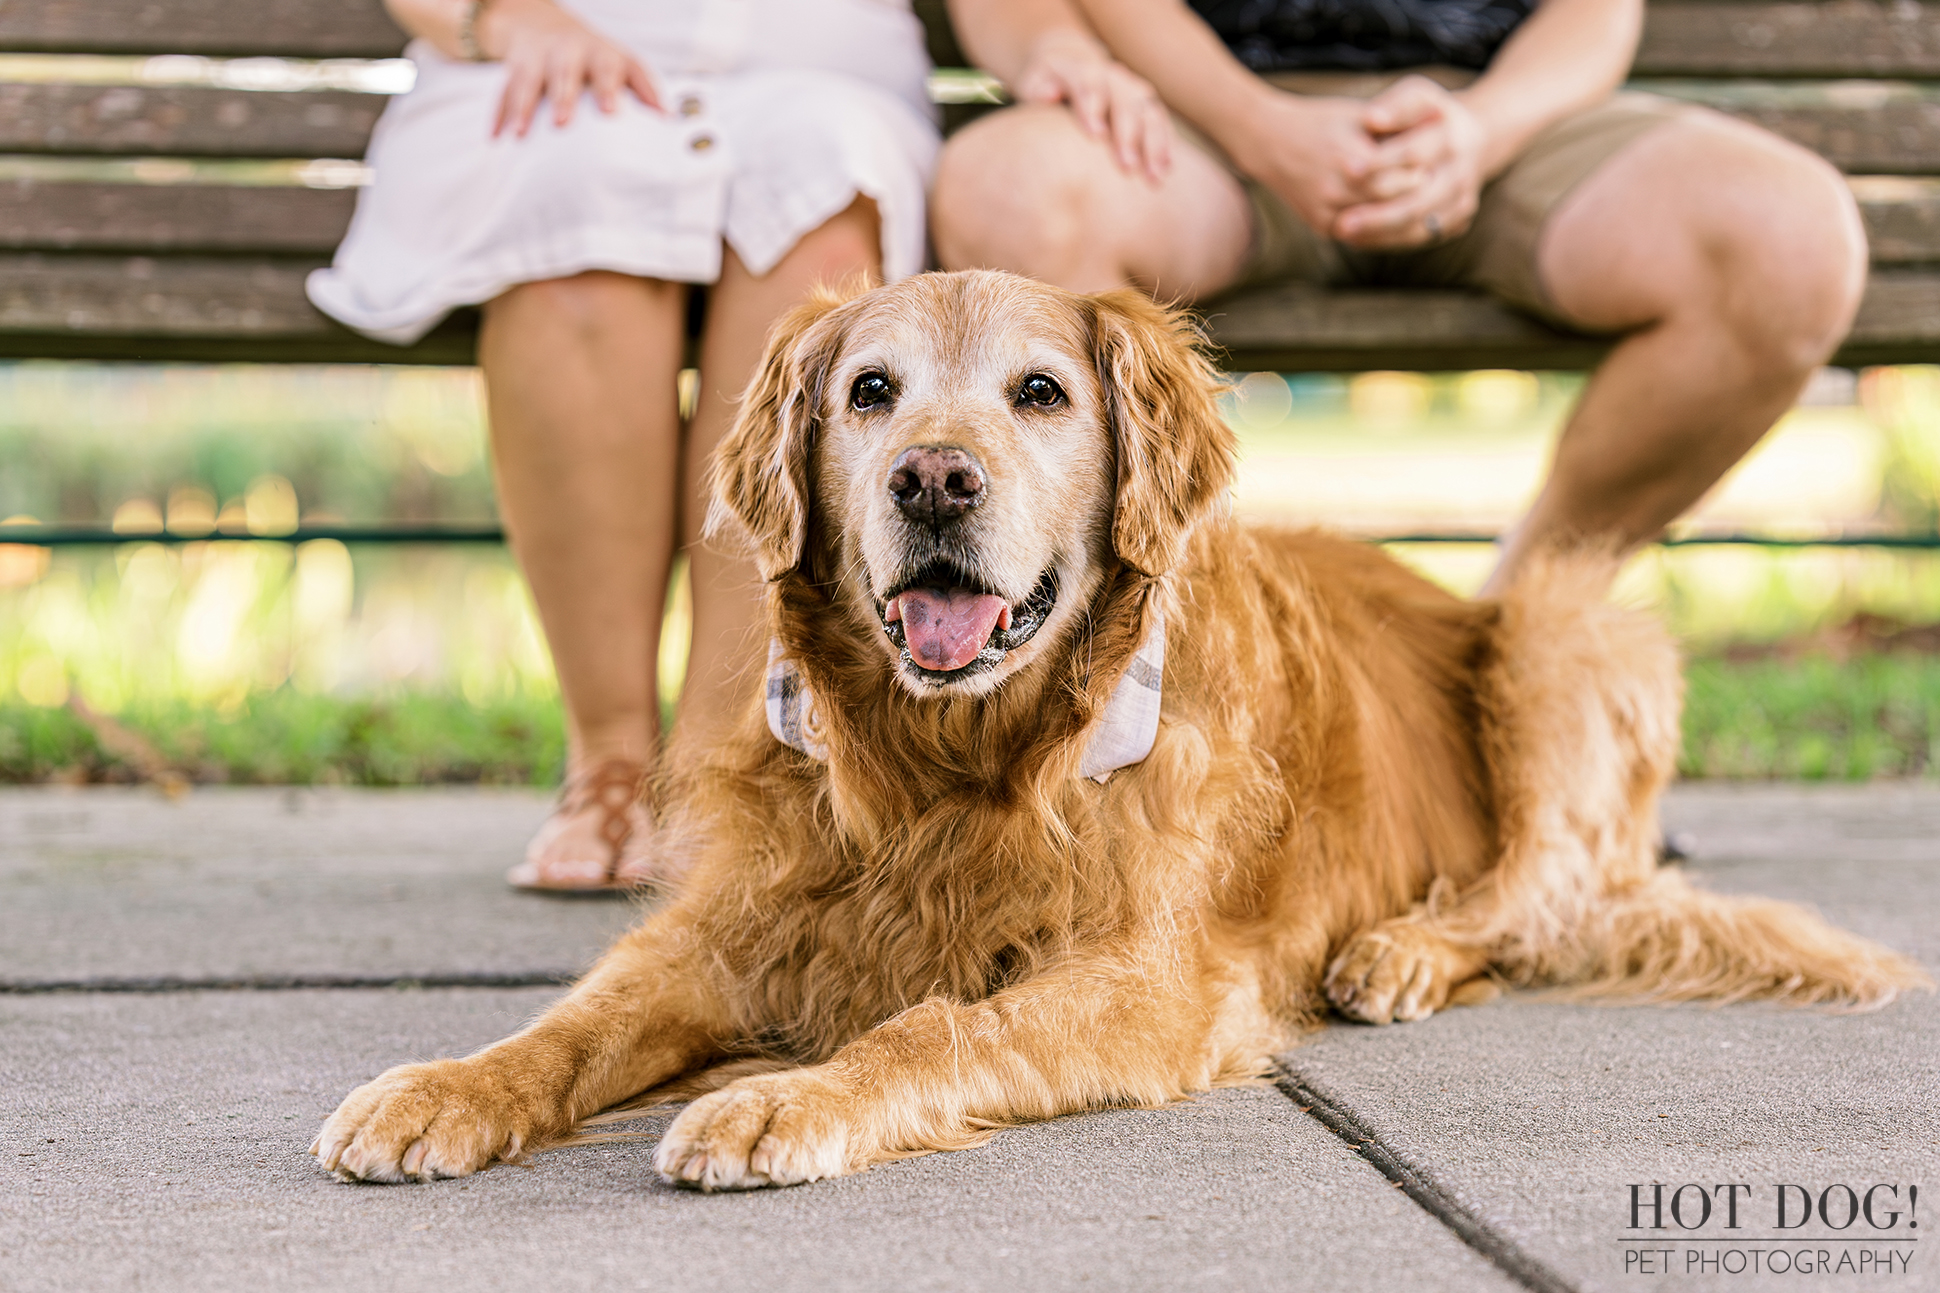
{"x": 951, "y": 627}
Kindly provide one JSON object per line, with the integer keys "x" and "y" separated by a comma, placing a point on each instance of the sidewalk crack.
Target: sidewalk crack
{"x": 283, "y": 982}
{"x": 1338, "y": 1118}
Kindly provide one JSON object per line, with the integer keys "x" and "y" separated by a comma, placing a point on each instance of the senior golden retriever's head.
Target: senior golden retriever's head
{"x": 961, "y": 460}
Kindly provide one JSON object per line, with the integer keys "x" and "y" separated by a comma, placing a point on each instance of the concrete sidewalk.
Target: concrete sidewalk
{"x": 154, "y": 1116}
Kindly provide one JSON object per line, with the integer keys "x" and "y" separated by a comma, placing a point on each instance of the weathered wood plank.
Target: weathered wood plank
{"x": 291, "y": 28}
{"x": 254, "y": 309}
{"x": 1681, "y": 37}
{"x": 1902, "y": 218}
{"x": 1296, "y": 329}
{"x": 1863, "y": 127}
{"x": 187, "y": 121}
{"x": 1834, "y": 38}
{"x": 62, "y": 306}
{"x": 144, "y": 296}
{"x": 1307, "y": 329}
{"x": 38, "y": 216}
{"x": 1879, "y": 127}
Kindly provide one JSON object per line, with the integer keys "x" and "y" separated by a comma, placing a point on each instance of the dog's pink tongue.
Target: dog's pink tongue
{"x": 945, "y": 630}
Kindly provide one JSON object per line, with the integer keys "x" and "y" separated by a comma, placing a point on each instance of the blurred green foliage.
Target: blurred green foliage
{"x": 286, "y": 737}
{"x": 1813, "y": 719}
{"x": 359, "y": 443}
{"x": 266, "y": 662}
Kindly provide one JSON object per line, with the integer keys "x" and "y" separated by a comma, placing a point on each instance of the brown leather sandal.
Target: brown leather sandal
{"x": 616, "y": 788}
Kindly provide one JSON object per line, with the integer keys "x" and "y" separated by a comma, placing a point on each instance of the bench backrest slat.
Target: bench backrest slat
{"x": 162, "y": 218}
{"x": 184, "y": 121}
{"x": 1681, "y": 37}
{"x": 234, "y": 28}
{"x": 210, "y": 265}
{"x": 1887, "y": 134}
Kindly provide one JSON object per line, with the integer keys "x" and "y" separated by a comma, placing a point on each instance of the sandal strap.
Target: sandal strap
{"x": 614, "y": 787}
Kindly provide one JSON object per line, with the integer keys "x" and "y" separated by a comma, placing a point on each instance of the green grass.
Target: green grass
{"x": 1814, "y": 719}
{"x": 284, "y": 737}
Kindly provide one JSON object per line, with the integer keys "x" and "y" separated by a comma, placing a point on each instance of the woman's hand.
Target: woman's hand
{"x": 1111, "y": 102}
{"x": 1427, "y": 169}
{"x": 549, "y": 54}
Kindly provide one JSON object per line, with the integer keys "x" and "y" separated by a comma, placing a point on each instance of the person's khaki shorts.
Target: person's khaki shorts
{"x": 1496, "y": 253}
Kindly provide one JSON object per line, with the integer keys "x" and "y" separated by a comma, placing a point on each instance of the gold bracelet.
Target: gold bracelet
{"x": 468, "y": 32}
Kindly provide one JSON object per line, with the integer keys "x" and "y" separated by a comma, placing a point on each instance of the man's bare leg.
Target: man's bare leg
{"x": 1027, "y": 190}
{"x": 1735, "y": 262}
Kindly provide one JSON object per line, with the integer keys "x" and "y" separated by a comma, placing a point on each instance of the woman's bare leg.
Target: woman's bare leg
{"x": 727, "y": 591}
{"x": 580, "y": 378}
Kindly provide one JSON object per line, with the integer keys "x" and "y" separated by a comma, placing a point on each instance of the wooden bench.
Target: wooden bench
{"x": 160, "y": 209}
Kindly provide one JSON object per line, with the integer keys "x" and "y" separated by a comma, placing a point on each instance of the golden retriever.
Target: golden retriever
{"x": 985, "y": 510}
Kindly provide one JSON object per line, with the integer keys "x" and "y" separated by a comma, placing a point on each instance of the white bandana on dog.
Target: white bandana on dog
{"x": 1123, "y": 735}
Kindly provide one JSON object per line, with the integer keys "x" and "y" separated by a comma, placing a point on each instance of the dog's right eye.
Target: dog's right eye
{"x": 870, "y": 390}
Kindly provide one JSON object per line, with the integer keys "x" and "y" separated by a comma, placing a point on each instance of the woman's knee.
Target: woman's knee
{"x": 847, "y": 243}
{"x": 1015, "y": 189}
{"x": 589, "y": 301}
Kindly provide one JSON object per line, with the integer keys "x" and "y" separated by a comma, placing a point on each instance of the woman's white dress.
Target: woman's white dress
{"x": 778, "y": 114}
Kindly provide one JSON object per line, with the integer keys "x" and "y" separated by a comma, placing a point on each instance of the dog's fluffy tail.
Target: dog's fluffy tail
{"x": 1666, "y": 940}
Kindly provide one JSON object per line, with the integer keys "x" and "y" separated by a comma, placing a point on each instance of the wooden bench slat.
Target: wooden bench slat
{"x": 1863, "y": 127}
{"x": 172, "y": 217}
{"x": 1295, "y": 329}
{"x": 1834, "y": 38}
{"x": 66, "y": 306}
{"x": 185, "y": 121}
{"x": 236, "y": 28}
{"x": 1902, "y": 218}
{"x": 238, "y": 308}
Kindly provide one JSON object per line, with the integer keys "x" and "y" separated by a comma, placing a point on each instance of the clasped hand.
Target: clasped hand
{"x": 1400, "y": 170}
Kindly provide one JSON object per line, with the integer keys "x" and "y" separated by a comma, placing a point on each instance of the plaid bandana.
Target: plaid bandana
{"x": 1121, "y": 737}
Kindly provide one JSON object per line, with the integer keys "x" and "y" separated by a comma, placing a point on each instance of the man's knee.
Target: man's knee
{"x": 1015, "y": 190}
{"x": 1789, "y": 255}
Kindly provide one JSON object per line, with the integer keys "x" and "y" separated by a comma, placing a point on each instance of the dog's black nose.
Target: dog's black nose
{"x": 934, "y": 485}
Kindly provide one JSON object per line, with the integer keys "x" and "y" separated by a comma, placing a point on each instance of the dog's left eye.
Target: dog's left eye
{"x": 1039, "y": 390}
{"x": 869, "y": 390}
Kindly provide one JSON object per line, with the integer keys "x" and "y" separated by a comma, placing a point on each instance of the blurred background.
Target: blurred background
{"x": 221, "y": 659}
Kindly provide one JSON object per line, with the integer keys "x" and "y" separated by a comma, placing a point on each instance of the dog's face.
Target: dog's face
{"x": 967, "y": 456}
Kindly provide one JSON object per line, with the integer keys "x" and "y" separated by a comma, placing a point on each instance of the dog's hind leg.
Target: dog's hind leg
{"x": 1579, "y": 703}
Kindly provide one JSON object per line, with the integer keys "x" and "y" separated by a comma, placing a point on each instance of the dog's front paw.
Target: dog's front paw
{"x": 1399, "y": 971}
{"x": 776, "y": 1129}
{"x": 424, "y": 1122}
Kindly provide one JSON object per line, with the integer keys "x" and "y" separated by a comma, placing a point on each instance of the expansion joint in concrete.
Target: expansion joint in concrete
{"x": 282, "y": 982}
{"x": 1338, "y": 1118}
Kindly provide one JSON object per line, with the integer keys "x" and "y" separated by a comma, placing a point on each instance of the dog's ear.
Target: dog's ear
{"x": 759, "y": 481}
{"x": 1175, "y": 451}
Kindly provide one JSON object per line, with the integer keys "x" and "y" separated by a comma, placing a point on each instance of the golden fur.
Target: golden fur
{"x": 1364, "y": 792}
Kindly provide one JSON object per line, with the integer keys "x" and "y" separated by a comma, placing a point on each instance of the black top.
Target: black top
{"x": 1362, "y": 35}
